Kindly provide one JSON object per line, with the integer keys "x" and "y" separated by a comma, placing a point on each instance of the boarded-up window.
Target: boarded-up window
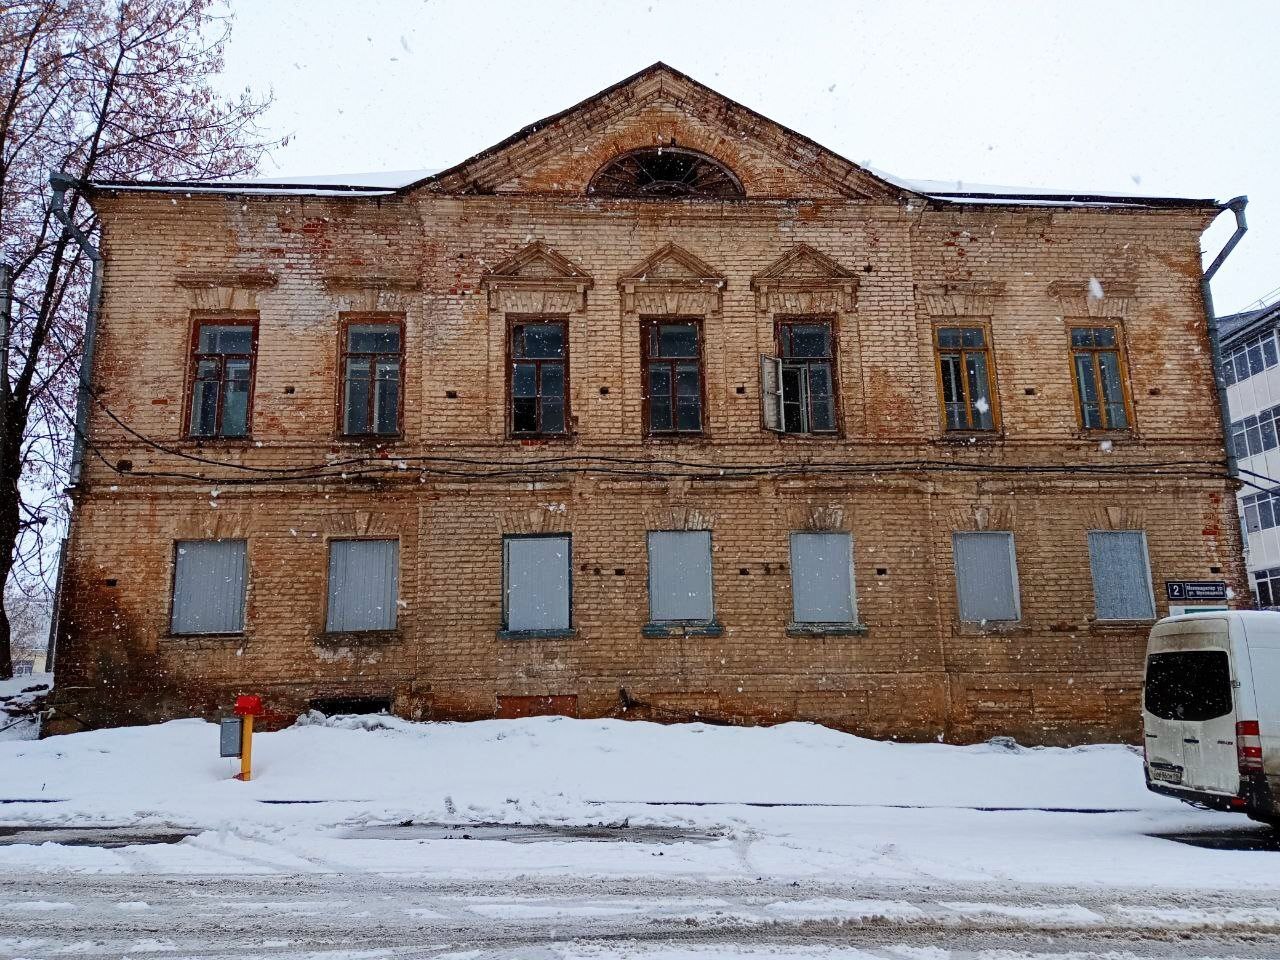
{"x": 680, "y": 575}
{"x": 536, "y": 573}
{"x": 208, "y": 586}
{"x": 822, "y": 578}
{"x": 1121, "y": 576}
{"x": 986, "y": 576}
{"x": 363, "y": 584}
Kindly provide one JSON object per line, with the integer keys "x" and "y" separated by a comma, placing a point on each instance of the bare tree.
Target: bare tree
{"x": 100, "y": 89}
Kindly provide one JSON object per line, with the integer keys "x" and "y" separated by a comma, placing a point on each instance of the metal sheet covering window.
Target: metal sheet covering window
{"x": 822, "y": 578}
{"x": 363, "y": 584}
{"x": 680, "y": 576}
{"x": 208, "y": 586}
{"x": 536, "y": 573}
{"x": 986, "y": 576}
{"x": 1121, "y": 575}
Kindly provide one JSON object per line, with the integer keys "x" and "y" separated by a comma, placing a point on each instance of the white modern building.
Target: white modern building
{"x": 1251, "y": 357}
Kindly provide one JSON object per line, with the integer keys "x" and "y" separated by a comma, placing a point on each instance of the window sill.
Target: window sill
{"x": 1113, "y": 435}
{"x": 190, "y": 638}
{"x": 677, "y": 437}
{"x": 683, "y": 628}
{"x": 539, "y": 438}
{"x": 1121, "y": 626}
{"x": 971, "y": 436}
{"x": 795, "y": 629}
{"x": 566, "y": 634}
{"x": 369, "y": 439}
{"x": 991, "y": 627}
{"x": 358, "y": 638}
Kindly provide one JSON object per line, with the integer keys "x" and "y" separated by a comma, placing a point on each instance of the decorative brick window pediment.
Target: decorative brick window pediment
{"x": 966, "y": 298}
{"x": 537, "y": 280}
{"x": 225, "y": 290}
{"x": 670, "y": 282}
{"x": 805, "y": 281}
{"x": 1093, "y": 298}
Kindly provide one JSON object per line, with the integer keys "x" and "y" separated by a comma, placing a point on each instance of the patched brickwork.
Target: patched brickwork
{"x": 512, "y": 233}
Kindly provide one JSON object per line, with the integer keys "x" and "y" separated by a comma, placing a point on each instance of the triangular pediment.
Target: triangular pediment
{"x": 672, "y": 264}
{"x": 805, "y": 280}
{"x": 802, "y": 263}
{"x": 537, "y": 261}
{"x": 662, "y": 107}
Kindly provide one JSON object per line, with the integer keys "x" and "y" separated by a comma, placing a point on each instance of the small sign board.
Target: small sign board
{"x": 230, "y": 731}
{"x": 1195, "y": 591}
{"x": 1177, "y": 610}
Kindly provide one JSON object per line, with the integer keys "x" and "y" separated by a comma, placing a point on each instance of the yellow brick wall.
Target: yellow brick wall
{"x": 917, "y": 673}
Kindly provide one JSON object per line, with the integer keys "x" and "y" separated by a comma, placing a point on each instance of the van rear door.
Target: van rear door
{"x": 1190, "y": 719}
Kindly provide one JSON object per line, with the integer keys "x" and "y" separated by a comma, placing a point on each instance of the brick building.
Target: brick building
{"x": 655, "y": 409}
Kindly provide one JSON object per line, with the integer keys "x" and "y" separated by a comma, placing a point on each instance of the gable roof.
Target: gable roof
{"x": 477, "y": 173}
{"x": 656, "y": 79}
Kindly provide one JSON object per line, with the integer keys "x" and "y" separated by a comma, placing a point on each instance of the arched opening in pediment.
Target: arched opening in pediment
{"x": 666, "y": 173}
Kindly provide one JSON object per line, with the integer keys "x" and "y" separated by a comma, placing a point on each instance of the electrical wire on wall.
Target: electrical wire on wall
{"x": 373, "y": 467}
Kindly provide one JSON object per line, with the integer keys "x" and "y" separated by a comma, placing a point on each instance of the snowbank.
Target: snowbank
{"x": 383, "y": 768}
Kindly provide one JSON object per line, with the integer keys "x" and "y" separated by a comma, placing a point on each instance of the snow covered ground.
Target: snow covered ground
{"x": 549, "y": 834}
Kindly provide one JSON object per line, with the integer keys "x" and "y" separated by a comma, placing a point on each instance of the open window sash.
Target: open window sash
{"x": 771, "y": 394}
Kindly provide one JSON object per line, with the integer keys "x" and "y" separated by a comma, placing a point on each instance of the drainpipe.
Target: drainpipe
{"x": 1236, "y": 206}
{"x": 61, "y": 183}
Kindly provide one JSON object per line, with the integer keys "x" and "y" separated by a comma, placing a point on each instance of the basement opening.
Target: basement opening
{"x": 338, "y": 706}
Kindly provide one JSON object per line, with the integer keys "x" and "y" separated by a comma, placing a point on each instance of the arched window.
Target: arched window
{"x": 665, "y": 172}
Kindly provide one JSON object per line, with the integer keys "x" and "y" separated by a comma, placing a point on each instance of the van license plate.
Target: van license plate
{"x": 1166, "y": 775}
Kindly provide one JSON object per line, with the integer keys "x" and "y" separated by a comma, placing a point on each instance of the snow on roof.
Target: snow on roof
{"x": 387, "y": 179}
{"x": 387, "y": 182}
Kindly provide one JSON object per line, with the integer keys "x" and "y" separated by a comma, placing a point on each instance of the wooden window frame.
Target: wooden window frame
{"x": 229, "y": 318}
{"x": 993, "y": 380}
{"x": 647, "y": 324}
{"x": 1122, "y": 356}
{"x": 345, "y": 321}
{"x": 522, "y": 319}
{"x": 833, "y": 324}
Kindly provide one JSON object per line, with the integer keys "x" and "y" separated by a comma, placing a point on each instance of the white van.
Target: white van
{"x": 1211, "y": 711}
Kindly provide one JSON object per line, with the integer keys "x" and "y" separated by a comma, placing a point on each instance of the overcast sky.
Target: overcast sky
{"x": 1170, "y": 97}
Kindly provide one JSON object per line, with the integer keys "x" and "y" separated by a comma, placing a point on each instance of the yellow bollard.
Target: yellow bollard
{"x": 247, "y": 707}
{"x": 246, "y": 749}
